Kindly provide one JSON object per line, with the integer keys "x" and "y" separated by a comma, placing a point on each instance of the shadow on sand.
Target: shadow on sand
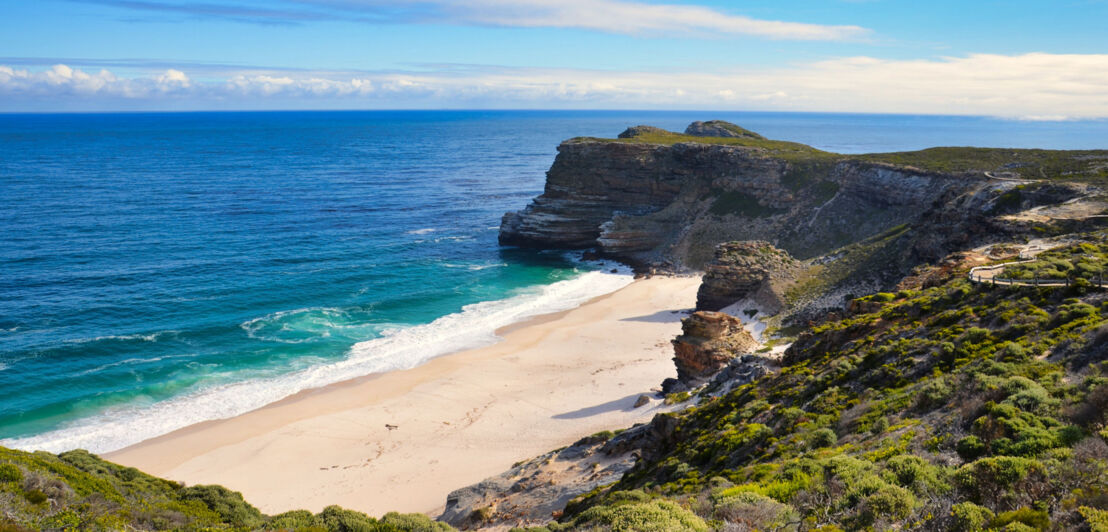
{"x": 625, "y": 404}
{"x": 662, "y": 316}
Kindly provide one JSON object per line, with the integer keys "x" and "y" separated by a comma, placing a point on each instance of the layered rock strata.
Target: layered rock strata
{"x": 746, "y": 270}
{"x": 708, "y": 342}
{"x": 646, "y": 201}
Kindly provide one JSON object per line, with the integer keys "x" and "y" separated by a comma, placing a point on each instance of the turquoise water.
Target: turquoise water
{"x": 164, "y": 269}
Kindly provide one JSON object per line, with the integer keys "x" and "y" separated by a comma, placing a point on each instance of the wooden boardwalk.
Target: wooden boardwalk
{"x": 992, "y": 275}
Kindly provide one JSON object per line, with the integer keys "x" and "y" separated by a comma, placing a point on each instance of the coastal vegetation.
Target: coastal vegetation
{"x": 956, "y": 407}
{"x": 78, "y": 491}
{"x": 1085, "y": 262}
{"x": 1027, "y": 164}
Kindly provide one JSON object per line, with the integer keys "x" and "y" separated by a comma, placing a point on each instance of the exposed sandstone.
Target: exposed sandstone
{"x": 746, "y": 270}
{"x": 709, "y": 341}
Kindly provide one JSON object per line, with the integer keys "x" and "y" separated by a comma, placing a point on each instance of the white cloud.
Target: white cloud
{"x": 611, "y": 16}
{"x": 627, "y": 17}
{"x": 1031, "y": 86}
{"x": 172, "y": 78}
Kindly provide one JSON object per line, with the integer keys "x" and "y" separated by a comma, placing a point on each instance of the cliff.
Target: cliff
{"x": 659, "y": 199}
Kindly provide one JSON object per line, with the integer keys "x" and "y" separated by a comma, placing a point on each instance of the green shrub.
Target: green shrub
{"x": 338, "y": 519}
{"x": 1097, "y": 519}
{"x": 1000, "y": 479}
{"x": 1036, "y": 519}
{"x": 228, "y": 504}
{"x": 916, "y": 474}
{"x": 1015, "y": 526}
{"x": 934, "y": 393}
{"x": 413, "y": 523}
{"x": 10, "y": 473}
{"x": 888, "y": 502}
{"x": 822, "y": 438}
{"x": 678, "y": 397}
{"x": 976, "y": 335}
{"x": 754, "y": 511}
{"x": 970, "y": 448}
{"x": 969, "y": 517}
{"x": 653, "y": 516}
{"x": 879, "y": 426}
{"x": 295, "y": 520}
{"x": 35, "y": 496}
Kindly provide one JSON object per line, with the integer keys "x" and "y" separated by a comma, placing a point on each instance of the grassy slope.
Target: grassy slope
{"x": 78, "y": 491}
{"x": 959, "y": 407}
{"x": 1084, "y": 165}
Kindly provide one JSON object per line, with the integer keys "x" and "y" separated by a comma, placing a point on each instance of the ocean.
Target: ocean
{"x": 163, "y": 269}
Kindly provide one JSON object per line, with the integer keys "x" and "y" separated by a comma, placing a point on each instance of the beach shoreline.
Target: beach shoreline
{"x": 401, "y": 441}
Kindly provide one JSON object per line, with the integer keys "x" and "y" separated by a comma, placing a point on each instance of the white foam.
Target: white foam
{"x": 403, "y": 348}
{"x": 130, "y": 362}
{"x": 3, "y": 366}
{"x": 423, "y": 231}
{"x": 152, "y": 337}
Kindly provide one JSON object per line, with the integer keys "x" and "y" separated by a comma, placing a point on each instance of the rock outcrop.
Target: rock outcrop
{"x": 752, "y": 270}
{"x": 532, "y": 492}
{"x": 708, "y": 342}
{"x": 741, "y": 370}
{"x": 638, "y": 131}
{"x": 719, "y": 128}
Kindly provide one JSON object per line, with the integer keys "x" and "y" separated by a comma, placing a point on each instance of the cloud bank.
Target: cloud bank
{"x": 609, "y": 16}
{"x": 1029, "y": 85}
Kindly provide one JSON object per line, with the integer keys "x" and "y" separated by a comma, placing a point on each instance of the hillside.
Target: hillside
{"x": 957, "y": 407}
{"x": 77, "y": 491}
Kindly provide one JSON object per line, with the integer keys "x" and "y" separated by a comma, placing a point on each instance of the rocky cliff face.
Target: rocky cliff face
{"x": 665, "y": 199}
{"x": 587, "y": 185}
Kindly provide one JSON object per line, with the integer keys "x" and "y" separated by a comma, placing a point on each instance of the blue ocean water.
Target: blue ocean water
{"x": 157, "y": 270}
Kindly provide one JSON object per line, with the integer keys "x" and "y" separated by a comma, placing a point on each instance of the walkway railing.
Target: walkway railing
{"x": 976, "y": 275}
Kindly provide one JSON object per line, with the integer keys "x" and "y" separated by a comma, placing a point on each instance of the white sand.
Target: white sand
{"x": 460, "y": 418}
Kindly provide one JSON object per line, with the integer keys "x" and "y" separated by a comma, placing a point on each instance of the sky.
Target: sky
{"x": 1024, "y": 59}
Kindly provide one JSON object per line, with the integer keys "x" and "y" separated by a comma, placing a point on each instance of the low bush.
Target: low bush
{"x": 969, "y": 517}
{"x": 10, "y": 473}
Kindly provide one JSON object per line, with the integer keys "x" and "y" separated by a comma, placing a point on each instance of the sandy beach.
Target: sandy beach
{"x": 403, "y": 440}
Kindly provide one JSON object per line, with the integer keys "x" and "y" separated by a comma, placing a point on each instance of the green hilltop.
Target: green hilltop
{"x": 1027, "y": 164}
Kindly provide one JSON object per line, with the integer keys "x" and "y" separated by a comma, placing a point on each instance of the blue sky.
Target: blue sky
{"x": 1022, "y": 58}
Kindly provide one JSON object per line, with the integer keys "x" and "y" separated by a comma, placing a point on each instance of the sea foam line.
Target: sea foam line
{"x": 474, "y": 326}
